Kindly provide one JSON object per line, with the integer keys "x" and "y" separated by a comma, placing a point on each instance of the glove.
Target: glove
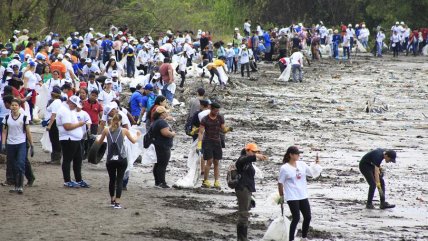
{"x": 281, "y": 200}
{"x": 227, "y": 129}
{"x": 194, "y": 131}
{"x": 31, "y": 150}
{"x": 199, "y": 147}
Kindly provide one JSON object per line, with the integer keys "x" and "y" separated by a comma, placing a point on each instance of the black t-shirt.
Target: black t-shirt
{"x": 245, "y": 168}
{"x": 161, "y": 140}
{"x": 374, "y": 157}
{"x": 212, "y": 127}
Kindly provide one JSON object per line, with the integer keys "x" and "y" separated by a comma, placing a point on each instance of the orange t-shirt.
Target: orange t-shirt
{"x": 29, "y": 51}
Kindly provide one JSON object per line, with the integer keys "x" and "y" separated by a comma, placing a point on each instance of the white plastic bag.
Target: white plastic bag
{"x": 285, "y": 75}
{"x": 193, "y": 163}
{"x": 278, "y": 230}
{"x": 46, "y": 142}
{"x": 223, "y": 76}
{"x": 315, "y": 170}
{"x": 259, "y": 174}
{"x": 149, "y": 156}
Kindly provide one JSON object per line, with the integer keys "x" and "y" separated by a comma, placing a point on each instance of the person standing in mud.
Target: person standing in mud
{"x": 292, "y": 186}
{"x": 373, "y": 173}
{"x": 209, "y": 141}
{"x": 246, "y": 186}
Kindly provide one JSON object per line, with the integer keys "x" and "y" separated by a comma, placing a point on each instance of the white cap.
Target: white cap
{"x": 68, "y": 55}
{"x": 29, "y": 56}
{"x": 236, "y": 29}
{"x": 402, "y": 23}
{"x": 397, "y": 23}
{"x": 168, "y": 32}
{"x": 350, "y": 25}
{"x": 113, "y": 57}
{"x": 91, "y": 29}
{"x": 146, "y": 45}
{"x": 25, "y": 30}
{"x": 60, "y": 56}
{"x": 243, "y": 46}
{"x": 363, "y": 25}
{"x": 156, "y": 50}
{"x": 357, "y": 25}
{"x": 123, "y": 38}
{"x": 75, "y": 100}
{"x": 108, "y": 81}
{"x": 76, "y": 33}
{"x": 229, "y": 44}
{"x": 109, "y": 107}
{"x": 88, "y": 60}
{"x": 4, "y": 52}
{"x": 120, "y": 33}
{"x": 114, "y": 73}
{"x": 16, "y": 32}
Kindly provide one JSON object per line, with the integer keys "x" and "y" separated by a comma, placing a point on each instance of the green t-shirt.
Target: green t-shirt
{"x": 47, "y": 77}
{"x": 5, "y": 61}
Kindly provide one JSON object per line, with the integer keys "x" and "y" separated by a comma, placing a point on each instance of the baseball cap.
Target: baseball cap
{"x": 75, "y": 100}
{"x": 68, "y": 55}
{"x": 392, "y": 154}
{"x": 293, "y": 150}
{"x": 88, "y": 60}
{"x": 215, "y": 105}
{"x": 60, "y": 56}
{"x": 243, "y": 46}
{"x": 108, "y": 81}
{"x": 16, "y": 31}
{"x": 205, "y": 102}
{"x": 32, "y": 64}
{"x": 201, "y": 91}
{"x": 39, "y": 56}
{"x": 252, "y": 147}
{"x": 236, "y": 29}
{"x": 4, "y": 52}
{"x": 56, "y": 90}
{"x": 56, "y": 45}
{"x": 91, "y": 29}
{"x": 16, "y": 56}
{"x": 108, "y": 108}
{"x": 156, "y": 76}
{"x": 148, "y": 87}
{"x": 114, "y": 73}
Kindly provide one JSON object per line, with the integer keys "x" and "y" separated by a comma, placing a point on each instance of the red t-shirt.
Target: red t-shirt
{"x": 163, "y": 70}
{"x": 93, "y": 110}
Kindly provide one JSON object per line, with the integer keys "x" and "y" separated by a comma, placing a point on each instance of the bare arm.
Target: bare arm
{"x": 171, "y": 75}
{"x": 72, "y": 126}
{"x": 29, "y": 136}
{"x": 103, "y": 135}
{"x": 131, "y": 138}
{"x": 280, "y": 189}
{"x": 3, "y": 135}
{"x": 51, "y": 120}
{"x": 376, "y": 174}
{"x": 201, "y": 132}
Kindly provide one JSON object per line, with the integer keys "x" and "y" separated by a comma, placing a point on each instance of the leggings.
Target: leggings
{"x": 304, "y": 207}
{"x": 54, "y": 137}
{"x": 71, "y": 152}
{"x": 116, "y": 170}
{"x": 159, "y": 169}
{"x": 246, "y": 66}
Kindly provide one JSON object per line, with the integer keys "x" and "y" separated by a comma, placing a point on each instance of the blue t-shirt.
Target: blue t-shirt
{"x": 136, "y": 103}
{"x": 336, "y": 39}
{"x": 107, "y": 45}
{"x": 267, "y": 39}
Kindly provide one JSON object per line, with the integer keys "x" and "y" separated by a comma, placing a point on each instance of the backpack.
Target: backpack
{"x": 24, "y": 118}
{"x": 233, "y": 176}
{"x": 148, "y": 138}
{"x": 150, "y": 102}
{"x": 115, "y": 152}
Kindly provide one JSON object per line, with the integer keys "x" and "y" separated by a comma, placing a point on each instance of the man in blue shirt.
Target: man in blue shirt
{"x": 107, "y": 46}
{"x": 136, "y": 102}
{"x": 267, "y": 43}
{"x": 370, "y": 168}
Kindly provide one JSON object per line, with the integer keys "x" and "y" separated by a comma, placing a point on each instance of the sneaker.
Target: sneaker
{"x": 83, "y": 184}
{"x": 15, "y": 189}
{"x": 369, "y": 206}
{"x": 206, "y": 184}
{"x": 20, "y": 190}
{"x": 164, "y": 185}
{"x": 71, "y": 184}
{"x": 117, "y": 206}
{"x": 217, "y": 184}
{"x": 157, "y": 185}
{"x": 112, "y": 203}
{"x": 386, "y": 205}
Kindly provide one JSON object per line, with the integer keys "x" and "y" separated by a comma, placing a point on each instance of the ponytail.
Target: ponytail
{"x": 115, "y": 122}
{"x": 286, "y": 158}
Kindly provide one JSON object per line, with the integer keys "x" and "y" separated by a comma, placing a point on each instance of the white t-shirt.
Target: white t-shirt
{"x": 87, "y": 70}
{"x": 141, "y": 80}
{"x": 64, "y": 116}
{"x": 88, "y": 37}
{"x": 203, "y": 113}
{"x": 244, "y": 56}
{"x": 54, "y": 82}
{"x": 294, "y": 180}
{"x": 94, "y": 86}
{"x": 32, "y": 79}
{"x": 69, "y": 67}
{"x": 125, "y": 120}
{"x": 106, "y": 97}
{"x": 15, "y": 129}
{"x": 83, "y": 116}
{"x": 296, "y": 58}
{"x": 53, "y": 108}
{"x": 247, "y": 27}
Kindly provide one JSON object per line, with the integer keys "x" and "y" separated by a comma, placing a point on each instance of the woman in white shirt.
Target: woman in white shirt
{"x": 54, "y": 105}
{"x": 16, "y": 132}
{"x": 107, "y": 95}
{"x": 293, "y": 187}
{"x": 31, "y": 79}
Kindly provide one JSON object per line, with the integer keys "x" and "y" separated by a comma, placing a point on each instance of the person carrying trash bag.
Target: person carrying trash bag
{"x": 292, "y": 187}
{"x": 370, "y": 168}
{"x": 246, "y": 186}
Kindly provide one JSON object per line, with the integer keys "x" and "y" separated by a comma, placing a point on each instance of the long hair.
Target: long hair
{"x": 158, "y": 100}
{"x": 115, "y": 122}
{"x": 286, "y": 158}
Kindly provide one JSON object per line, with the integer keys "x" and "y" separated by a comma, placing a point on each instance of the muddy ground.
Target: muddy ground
{"x": 324, "y": 114}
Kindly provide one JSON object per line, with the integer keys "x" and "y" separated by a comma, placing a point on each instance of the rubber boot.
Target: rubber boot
{"x": 242, "y": 232}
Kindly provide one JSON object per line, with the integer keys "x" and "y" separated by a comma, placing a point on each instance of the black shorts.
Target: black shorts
{"x": 212, "y": 150}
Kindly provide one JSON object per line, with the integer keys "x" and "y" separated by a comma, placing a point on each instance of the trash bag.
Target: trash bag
{"x": 315, "y": 170}
{"x": 149, "y": 156}
{"x": 133, "y": 151}
{"x": 277, "y": 230}
{"x": 259, "y": 173}
{"x": 223, "y": 76}
{"x": 285, "y": 75}
{"x": 46, "y": 142}
{"x": 191, "y": 179}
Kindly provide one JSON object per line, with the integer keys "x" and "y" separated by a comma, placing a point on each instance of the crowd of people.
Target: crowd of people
{"x": 82, "y": 75}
